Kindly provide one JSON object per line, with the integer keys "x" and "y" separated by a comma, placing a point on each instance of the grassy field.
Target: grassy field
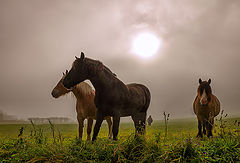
{"x": 172, "y": 142}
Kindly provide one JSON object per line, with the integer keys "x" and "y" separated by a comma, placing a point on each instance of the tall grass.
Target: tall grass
{"x": 41, "y": 146}
{"x": 166, "y": 118}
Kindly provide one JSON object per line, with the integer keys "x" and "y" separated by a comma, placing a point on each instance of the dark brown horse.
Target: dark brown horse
{"x": 206, "y": 106}
{"x": 85, "y": 106}
{"x": 113, "y": 97}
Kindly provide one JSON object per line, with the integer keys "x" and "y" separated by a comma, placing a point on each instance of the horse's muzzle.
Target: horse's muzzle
{"x": 203, "y": 101}
{"x": 55, "y": 93}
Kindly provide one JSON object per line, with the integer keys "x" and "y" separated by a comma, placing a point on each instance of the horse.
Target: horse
{"x": 85, "y": 106}
{"x": 206, "y": 106}
{"x": 113, "y": 97}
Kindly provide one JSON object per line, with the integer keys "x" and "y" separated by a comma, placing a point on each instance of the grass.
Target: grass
{"x": 59, "y": 143}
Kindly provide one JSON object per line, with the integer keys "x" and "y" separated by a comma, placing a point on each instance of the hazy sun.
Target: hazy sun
{"x": 146, "y": 44}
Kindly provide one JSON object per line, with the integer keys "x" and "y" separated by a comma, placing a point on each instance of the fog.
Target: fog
{"x": 39, "y": 39}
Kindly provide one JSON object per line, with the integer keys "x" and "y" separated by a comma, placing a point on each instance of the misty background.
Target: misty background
{"x": 39, "y": 39}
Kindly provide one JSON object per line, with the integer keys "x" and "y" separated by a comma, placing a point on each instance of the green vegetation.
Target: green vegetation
{"x": 59, "y": 143}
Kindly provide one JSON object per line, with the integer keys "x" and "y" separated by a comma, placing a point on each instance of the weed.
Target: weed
{"x": 166, "y": 118}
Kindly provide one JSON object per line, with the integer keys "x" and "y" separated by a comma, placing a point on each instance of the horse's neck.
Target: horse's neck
{"x": 98, "y": 81}
{"x": 103, "y": 80}
{"x": 78, "y": 93}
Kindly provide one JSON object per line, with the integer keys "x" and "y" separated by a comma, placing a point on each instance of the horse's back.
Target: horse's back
{"x": 139, "y": 94}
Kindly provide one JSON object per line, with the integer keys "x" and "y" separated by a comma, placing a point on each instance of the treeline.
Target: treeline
{"x": 6, "y": 117}
{"x": 52, "y": 119}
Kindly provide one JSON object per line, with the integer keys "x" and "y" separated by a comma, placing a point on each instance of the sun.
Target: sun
{"x": 146, "y": 45}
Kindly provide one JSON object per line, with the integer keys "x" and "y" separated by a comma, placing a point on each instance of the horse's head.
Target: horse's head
{"x": 77, "y": 73}
{"x": 82, "y": 69}
{"x": 85, "y": 68}
{"x": 59, "y": 89}
{"x": 204, "y": 92}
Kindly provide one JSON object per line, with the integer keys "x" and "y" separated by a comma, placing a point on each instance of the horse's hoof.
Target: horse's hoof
{"x": 199, "y": 136}
{"x": 209, "y": 136}
{"x": 88, "y": 138}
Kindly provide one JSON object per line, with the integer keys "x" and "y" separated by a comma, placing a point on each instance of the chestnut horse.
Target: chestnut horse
{"x": 85, "y": 105}
{"x": 113, "y": 97}
{"x": 206, "y": 106}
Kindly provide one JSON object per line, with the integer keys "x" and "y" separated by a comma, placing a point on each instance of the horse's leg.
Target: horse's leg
{"x": 116, "y": 121}
{"x": 199, "y": 129}
{"x": 89, "y": 128}
{"x": 136, "y": 124}
{"x": 80, "y": 126}
{"x": 142, "y": 123}
{"x": 109, "y": 121}
{"x": 209, "y": 127}
{"x": 204, "y": 126}
{"x": 97, "y": 125}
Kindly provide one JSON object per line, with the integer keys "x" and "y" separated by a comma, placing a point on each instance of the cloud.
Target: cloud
{"x": 39, "y": 39}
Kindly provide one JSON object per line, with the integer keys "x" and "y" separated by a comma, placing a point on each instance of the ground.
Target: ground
{"x": 174, "y": 141}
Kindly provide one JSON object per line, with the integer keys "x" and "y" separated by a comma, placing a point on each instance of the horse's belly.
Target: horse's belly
{"x": 203, "y": 114}
{"x": 125, "y": 114}
{"x": 215, "y": 106}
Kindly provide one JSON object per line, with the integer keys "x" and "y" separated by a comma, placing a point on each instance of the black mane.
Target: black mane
{"x": 205, "y": 85}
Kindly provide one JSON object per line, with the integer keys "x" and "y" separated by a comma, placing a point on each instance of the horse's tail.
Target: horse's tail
{"x": 147, "y": 98}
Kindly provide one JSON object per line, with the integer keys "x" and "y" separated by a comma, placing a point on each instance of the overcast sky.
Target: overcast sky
{"x": 39, "y": 39}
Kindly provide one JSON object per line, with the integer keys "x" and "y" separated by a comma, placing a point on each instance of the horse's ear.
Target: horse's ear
{"x": 66, "y": 72}
{"x": 82, "y": 55}
{"x": 200, "y": 80}
{"x": 63, "y": 73}
{"x": 209, "y": 81}
{"x": 76, "y": 57}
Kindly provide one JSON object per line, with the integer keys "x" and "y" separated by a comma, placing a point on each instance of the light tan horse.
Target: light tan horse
{"x": 85, "y": 106}
{"x": 206, "y": 106}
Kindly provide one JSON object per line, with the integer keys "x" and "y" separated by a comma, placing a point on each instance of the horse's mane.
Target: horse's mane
{"x": 93, "y": 65}
{"x": 109, "y": 70}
